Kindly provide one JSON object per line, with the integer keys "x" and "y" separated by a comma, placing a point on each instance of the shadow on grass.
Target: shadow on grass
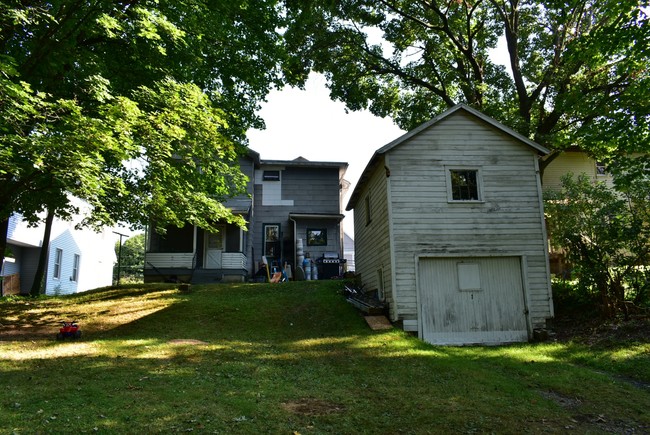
{"x": 279, "y": 359}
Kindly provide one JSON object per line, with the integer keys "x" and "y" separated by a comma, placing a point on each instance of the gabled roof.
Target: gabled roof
{"x": 386, "y": 148}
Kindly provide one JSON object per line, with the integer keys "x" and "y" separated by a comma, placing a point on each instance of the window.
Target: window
{"x": 272, "y": 241}
{"x": 271, "y": 176}
{"x": 75, "y": 268}
{"x": 601, "y": 168}
{"x": 367, "y": 209}
{"x": 463, "y": 185}
{"x": 469, "y": 276}
{"x": 58, "y": 256}
{"x": 316, "y": 237}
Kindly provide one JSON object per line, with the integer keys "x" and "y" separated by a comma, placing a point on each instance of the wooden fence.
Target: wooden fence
{"x": 10, "y": 285}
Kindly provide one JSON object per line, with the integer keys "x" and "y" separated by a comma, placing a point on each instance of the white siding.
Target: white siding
{"x": 372, "y": 241}
{"x": 95, "y": 249}
{"x": 507, "y": 222}
{"x": 472, "y": 300}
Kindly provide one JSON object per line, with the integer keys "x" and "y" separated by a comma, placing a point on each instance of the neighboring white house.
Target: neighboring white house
{"x": 449, "y": 229}
{"x": 348, "y": 252}
{"x": 78, "y": 260}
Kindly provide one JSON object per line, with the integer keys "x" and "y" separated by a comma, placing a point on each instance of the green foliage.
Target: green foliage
{"x": 138, "y": 108}
{"x": 571, "y": 298}
{"x": 578, "y": 72}
{"x": 130, "y": 258}
{"x": 606, "y": 237}
{"x": 292, "y": 358}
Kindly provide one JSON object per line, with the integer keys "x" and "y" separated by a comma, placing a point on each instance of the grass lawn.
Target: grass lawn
{"x": 288, "y": 359}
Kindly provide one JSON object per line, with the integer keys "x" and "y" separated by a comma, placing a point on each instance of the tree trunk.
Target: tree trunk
{"x": 4, "y": 228}
{"x": 42, "y": 258}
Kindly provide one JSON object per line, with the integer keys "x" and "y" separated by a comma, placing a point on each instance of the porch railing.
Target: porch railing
{"x": 233, "y": 260}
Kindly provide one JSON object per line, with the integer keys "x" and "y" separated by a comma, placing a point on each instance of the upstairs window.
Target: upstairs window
{"x": 601, "y": 168}
{"x": 464, "y": 184}
{"x": 271, "y": 176}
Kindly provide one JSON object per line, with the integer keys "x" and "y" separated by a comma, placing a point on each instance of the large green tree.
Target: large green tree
{"x": 138, "y": 107}
{"x": 578, "y": 71}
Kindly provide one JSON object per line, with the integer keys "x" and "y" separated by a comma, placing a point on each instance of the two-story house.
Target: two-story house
{"x": 289, "y": 203}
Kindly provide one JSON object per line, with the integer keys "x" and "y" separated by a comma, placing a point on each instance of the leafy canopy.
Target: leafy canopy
{"x": 137, "y": 107}
{"x": 578, "y": 71}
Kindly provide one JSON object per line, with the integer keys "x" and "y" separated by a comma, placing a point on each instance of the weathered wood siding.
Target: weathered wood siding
{"x": 372, "y": 239}
{"x": 507, "y": 222}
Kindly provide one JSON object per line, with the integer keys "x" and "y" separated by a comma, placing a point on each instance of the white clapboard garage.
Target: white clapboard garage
{"x": 465, "y": 300}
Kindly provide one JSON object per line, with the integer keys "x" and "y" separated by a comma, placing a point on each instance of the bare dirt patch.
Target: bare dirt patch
{"x": 190, "y": 341}
{"x": 600, "y": 332}
{"x": 310, "y": 407}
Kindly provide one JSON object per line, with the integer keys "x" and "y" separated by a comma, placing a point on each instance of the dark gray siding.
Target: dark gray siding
{"x": 307, "y": 190}
{"x": 312, "y": 190}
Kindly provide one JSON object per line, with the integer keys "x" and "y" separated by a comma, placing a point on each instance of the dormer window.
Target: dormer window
{"x": 271, "y": 176}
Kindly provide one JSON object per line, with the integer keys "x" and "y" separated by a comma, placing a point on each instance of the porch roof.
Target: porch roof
{"x": 239, "y": 205}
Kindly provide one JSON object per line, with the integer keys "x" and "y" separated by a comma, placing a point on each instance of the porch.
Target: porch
{"x": 183, "y": 267}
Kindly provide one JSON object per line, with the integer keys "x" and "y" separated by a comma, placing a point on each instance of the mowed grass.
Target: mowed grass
{"x": 291, "y": 358}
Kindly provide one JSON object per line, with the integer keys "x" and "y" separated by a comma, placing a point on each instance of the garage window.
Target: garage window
{"x": 469, "y": 277}
{"x": 464, "y": 184}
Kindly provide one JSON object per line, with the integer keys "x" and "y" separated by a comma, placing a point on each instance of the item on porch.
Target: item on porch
{"x": 306, "y": 264}
{"x": 300, "y": 255}
{"x": 287, "y": 271}
{"x": 266, "y": 266}
{"x": 331, "y": 265}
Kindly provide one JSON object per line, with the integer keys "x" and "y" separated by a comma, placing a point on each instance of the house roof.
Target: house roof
{"x": 459, "y": 107}
{"x": 303, "y": 162}
{"x": 239, "y": 205}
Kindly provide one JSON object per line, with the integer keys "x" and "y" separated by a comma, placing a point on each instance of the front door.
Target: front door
{"x": 214, "y": 245}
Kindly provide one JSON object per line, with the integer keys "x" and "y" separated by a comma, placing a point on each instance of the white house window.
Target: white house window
{"x": 58, "y": 256}
{"x": 464, "y": 184}
{"x": 601, "y": 168}
{"x": 75, "y": 268}
{"x": 271, "y": 176}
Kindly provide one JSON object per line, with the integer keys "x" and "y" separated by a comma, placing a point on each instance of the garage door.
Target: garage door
{"x": 472, "y": 300}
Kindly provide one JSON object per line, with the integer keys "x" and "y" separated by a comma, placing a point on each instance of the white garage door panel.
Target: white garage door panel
{"x": 487, "y": 307}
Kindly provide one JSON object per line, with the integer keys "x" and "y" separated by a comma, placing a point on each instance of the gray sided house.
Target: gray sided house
{"x": 289, "y": 203}
{"x": 449, "y": 228}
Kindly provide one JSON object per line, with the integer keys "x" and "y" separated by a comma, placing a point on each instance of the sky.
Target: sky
{"x": 306, "y": 123}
